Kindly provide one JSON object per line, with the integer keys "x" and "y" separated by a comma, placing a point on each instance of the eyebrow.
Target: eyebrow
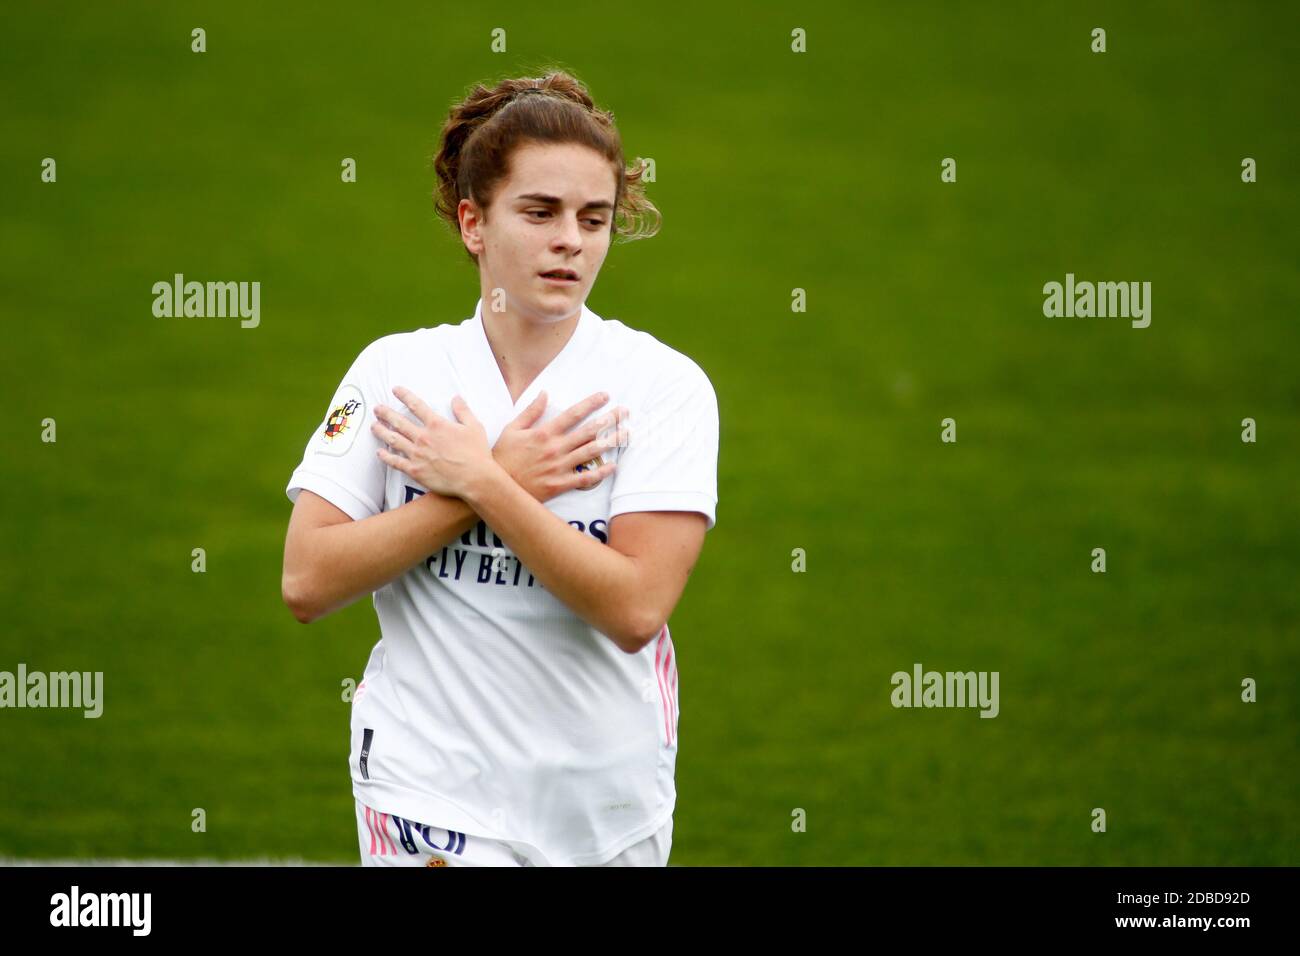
{"x": 556, "y": 201}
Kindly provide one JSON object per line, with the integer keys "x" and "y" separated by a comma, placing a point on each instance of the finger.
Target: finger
{"x": 595, "y": 448}
{"x": 593, "y": 477}
{"x": 398, "y": 442}
{"x": 570, "y": 417}
{"x": 461, "y": 410}
{"x": 391, "y": 460}
{"x": 528, "y": 417}
{"x": 396, "y": 422}
{"x": 423, "y": 412}
{"x": 592, "y": 429}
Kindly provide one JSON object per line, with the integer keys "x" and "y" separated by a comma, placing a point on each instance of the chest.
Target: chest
{"x": 585, "y": 509}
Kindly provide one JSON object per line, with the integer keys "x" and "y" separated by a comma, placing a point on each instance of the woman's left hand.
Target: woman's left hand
{"x": 447, "y": 457}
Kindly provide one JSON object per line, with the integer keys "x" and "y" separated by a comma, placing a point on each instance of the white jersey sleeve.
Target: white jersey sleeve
{"x": 340, "y": 462}
{"x": 671, "y": 459}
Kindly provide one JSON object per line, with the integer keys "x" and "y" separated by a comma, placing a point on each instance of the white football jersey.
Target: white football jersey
{"x": 487, "y": 706}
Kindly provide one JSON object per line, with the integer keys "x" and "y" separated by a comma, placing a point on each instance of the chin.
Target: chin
{"x": 559, "y": 304}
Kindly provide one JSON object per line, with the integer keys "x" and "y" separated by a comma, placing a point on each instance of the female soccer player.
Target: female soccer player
{"x": 521, "y": 705}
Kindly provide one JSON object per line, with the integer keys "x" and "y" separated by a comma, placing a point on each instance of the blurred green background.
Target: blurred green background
{"x": 775, "y": 170}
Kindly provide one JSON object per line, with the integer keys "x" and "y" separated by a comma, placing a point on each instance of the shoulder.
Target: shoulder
{"x": 659, "y": 363}
{"x": 419, "y": 345}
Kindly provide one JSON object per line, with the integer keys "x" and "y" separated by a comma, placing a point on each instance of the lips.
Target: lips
{"x": 560, "y": 275}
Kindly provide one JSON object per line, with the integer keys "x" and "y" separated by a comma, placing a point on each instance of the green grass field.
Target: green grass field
{"x": 775, "y": 171}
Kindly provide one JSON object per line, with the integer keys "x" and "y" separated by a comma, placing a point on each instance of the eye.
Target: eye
{"x": 597, "y": 222}
{"x": 538, "y": 212}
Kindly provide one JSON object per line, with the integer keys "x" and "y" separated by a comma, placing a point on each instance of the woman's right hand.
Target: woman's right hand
{"x": 542, "y": 458}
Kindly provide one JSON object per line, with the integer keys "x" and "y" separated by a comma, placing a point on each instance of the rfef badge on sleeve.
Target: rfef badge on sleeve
{"x": 343, "y": 421}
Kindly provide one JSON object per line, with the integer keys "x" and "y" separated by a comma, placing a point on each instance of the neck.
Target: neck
{"x": 524, "y": 344}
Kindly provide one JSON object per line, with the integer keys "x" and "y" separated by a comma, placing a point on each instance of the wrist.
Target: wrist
{"x": 438, "y": 512}
{"x": 486, "y": 484}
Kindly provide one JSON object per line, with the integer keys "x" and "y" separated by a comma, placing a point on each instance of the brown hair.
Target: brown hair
{"x": 483, "y": 131}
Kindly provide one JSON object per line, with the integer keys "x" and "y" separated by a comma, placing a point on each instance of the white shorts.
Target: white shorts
{"x": 387, "y": 840}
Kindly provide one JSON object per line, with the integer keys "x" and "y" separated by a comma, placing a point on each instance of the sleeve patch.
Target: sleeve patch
{"x": 346, "y": 416}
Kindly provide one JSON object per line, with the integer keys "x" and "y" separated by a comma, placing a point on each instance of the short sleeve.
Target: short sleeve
{"x": 340, "y": 462}
{"x": 670, "y": 462}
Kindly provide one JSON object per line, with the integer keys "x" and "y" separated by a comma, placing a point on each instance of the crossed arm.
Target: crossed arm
{"x": 626, "y": 590}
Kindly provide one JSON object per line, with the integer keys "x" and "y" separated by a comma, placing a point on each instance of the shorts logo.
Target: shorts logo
{"x": 383, "y": 844}
{"x": 343, "y": 422}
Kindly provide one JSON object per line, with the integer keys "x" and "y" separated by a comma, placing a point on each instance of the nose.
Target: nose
{"x": 568, "y": 235}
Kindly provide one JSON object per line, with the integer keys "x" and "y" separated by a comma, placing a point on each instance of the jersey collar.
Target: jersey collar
{"x": 490, "y": 372}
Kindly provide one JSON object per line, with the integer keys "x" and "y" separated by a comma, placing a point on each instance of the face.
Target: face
{"x": 553, "y": 211}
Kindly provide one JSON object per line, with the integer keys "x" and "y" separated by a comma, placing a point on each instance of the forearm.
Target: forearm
{"x": 595, "y": 581}
{"x": 337, "y": 564}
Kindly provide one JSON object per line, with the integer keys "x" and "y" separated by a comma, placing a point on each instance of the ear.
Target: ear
{"x": 470, "y": 218}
